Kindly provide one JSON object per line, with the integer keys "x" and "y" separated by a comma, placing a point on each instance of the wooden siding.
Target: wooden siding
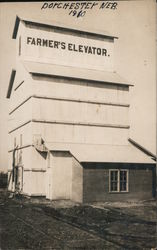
{"x": 77, "y": 89}
{"x": 96, "y": 182}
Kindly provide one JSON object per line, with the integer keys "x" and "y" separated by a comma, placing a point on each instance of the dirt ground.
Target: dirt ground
{"x": 40, "y": 224}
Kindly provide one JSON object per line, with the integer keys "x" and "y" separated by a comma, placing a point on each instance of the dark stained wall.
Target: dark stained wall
{"x": 96, "y": 182}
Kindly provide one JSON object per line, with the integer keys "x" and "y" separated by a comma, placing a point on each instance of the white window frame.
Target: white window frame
{"x": 118, "y": 182}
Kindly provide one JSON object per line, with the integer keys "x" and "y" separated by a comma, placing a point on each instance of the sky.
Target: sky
{"x": 134, "y": 22}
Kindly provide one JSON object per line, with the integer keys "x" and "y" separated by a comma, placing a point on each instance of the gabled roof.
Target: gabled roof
{"x": 74, "y": 73}
{"x": 59, "y": 26}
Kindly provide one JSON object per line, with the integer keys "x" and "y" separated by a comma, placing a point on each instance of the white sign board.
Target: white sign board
{"x": 70, "y": 50}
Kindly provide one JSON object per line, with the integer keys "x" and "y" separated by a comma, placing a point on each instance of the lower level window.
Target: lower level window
{"x": 118, "y": 181}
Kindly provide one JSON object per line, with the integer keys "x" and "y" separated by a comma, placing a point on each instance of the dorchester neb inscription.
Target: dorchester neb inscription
{"x": 79, "y": 9}
{"x": 67, "y": 46}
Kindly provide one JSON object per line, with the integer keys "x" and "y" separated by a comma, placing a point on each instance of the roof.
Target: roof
{"x": 143, "y": 149}
{"x": 74, "y": 73}
{"x": 11, "y": 82}
{"x": 103, "y": 153}
{"x": 59, "y": 26}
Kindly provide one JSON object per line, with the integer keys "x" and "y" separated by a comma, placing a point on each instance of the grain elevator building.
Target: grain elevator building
{"x": 69, "y": 118}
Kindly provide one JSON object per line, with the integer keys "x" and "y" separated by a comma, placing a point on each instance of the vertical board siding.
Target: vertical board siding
{"x": 62, "y": 133}
{"x": 46, "y": 109}
{"x": 25, "y": 131}
{"x": 77, "y": 181}
{"x": 21, "y": 115}
{"x": 61, "y": 164}
{"x": 80, "y": 90}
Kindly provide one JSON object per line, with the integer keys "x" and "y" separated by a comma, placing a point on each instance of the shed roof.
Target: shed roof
{"x": 103, "y": 153}
{"x": 74, "y": 73}
{"x": 59, "y": 26}
{"x": 143, "y": 149}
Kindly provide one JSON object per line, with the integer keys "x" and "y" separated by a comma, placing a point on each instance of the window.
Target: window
{"x": 118, "y": 180}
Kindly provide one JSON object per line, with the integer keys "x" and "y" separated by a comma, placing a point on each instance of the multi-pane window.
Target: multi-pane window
{"x": 114, "y": 180}
{"x": 123, "y": 180}
{"x": 118, "y": 180}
